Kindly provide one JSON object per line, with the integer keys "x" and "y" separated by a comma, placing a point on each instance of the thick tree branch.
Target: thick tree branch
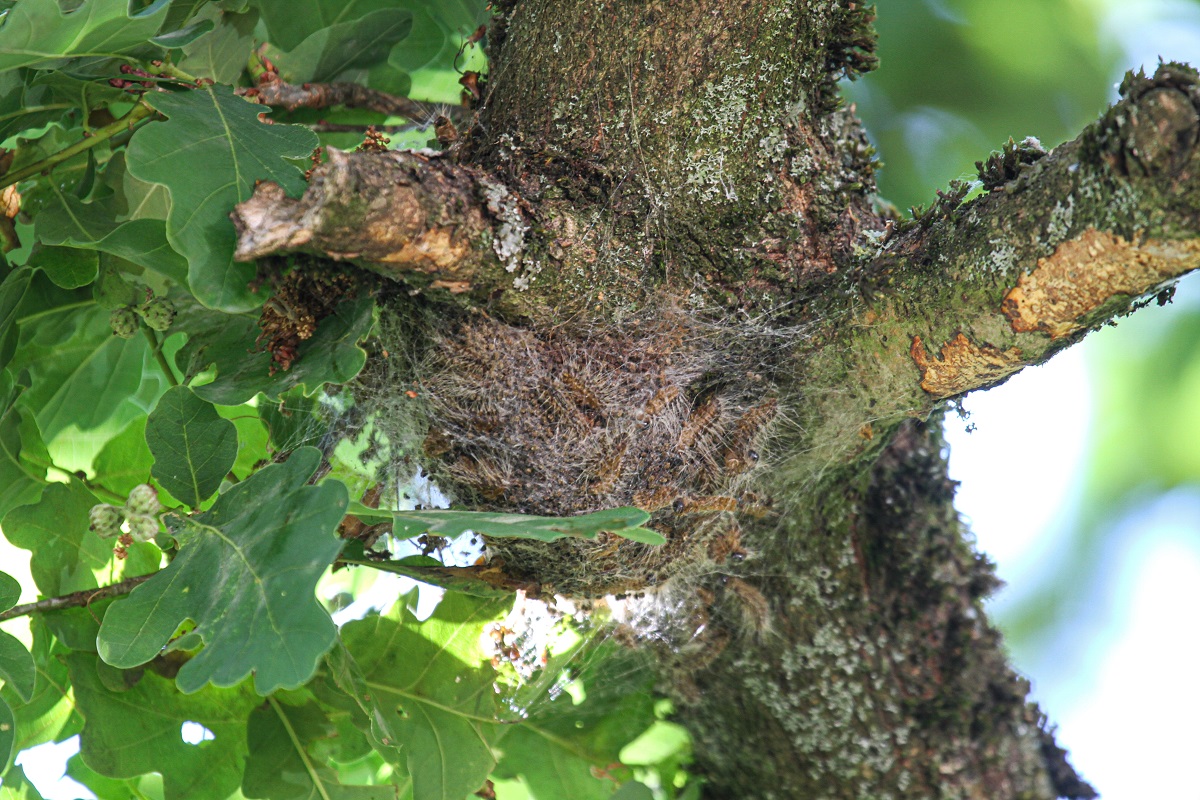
{"x": 1066, "y": 244}
{"x": 413, "y": 216}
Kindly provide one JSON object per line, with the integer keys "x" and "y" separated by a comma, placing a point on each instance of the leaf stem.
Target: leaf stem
{"x": 318, "y": 784}
{"x": 75, "y": 599}
{"x": 156, "y": 349}
{"x": 138, "y": 113}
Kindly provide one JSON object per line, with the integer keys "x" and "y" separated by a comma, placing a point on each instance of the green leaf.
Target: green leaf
{"x": 431, "y": 686}
{"x": 66, "y": 220}
{"x": 294, "y": 421}
{"x": 102, "y": 785}
{"x": 22, "y": 455}
{"x": 136, "y": 731}
{"x": 16, "y": 666}
{"x": 282, "y": 765}
{"x": 184, "y": 36}
{"x": 251, "y": 439}
{"x": 49, "y": 715}
{"x": 221, "y": 54}
{"x": 193, "y": 447}
{"x": 332, "y": 50}
{"x": 290, "y": 22}
{"x": 8, "y": 732}
{"x": 245, "y": 574}
{"x": 37, "y": 31}
{"x": 209, "y": 154}
{"x": 624, "y": 522}
{"x": 80, "y": 374}
{"x": 16, "y": 785}
{"x": 125, "y": 460}
{"x": 559, "y": 741}
{"x": 25, "y": 107}
{"x": 68, "y": 267}
{"x": 332, "y": 355}
{"x": 12, "y": 292}
{"x": 10, "y": 591}
{"x": 428, "y": 38}
{"x": 55, "y": 530}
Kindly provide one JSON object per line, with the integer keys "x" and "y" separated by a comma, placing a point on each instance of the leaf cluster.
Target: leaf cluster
{"x": 131, "y": 370}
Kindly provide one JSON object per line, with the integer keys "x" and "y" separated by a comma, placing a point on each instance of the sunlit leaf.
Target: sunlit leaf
{"x": 49, "y": 714}
{"x": 8, "y": 732}
{"x": 209, "y": 154}
{"x": 102, "y": 785}
{"x": 16, "y": 785}
{"x": 245, "y": 574}
{"x": 431, "y": 685}
{"x": 38, "y": 31}
{"x": 138, "y": 730}
{"x": 10, "y": 591}
{"x": 193, "y": 447}
{"x": 16, "y": 665}
{"x": 561, "y": 742}
{"x": 55, "y": 530}
{"x": 125, "y": 460}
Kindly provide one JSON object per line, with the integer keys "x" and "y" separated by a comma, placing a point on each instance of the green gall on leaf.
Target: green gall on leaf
{"x": 143, "y": 528}
{"x": 124, "y": 322}
{"x": 105, "y": 520}
{"x": 143, "y": 501}
{"x": 158, "y": 312}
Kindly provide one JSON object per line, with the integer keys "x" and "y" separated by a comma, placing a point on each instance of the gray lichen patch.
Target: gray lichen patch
{"x": 508, "y": 237}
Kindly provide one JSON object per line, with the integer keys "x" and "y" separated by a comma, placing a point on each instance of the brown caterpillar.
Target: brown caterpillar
{"x": 608, "y": 471}
{"x": 699, "y": 422}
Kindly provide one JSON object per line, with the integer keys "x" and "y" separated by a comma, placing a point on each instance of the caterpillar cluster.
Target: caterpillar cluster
{"x": 655, "y": 414}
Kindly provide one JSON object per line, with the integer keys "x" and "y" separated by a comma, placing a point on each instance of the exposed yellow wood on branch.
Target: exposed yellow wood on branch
{"x": 1087, "y": 271}
{"x": 963, "y": 365}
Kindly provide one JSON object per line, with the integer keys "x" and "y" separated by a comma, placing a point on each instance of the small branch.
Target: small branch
{"x": 75, "y": 599}
{"x": 425, "y": 219}
{"x": 289, "y": 96}
{"x": 332, "y": 127}
{"x": 138, "y": 113}
{"x": 156, "y": 350}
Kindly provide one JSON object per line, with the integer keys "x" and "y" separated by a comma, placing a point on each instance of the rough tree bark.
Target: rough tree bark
{"x": 661, "y": 278}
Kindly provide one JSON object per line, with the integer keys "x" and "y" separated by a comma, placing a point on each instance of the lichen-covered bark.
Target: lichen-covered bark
{"x": 685, "y": 301}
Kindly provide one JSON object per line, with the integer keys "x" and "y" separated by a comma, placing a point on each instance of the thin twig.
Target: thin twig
{"x": 333, "y": 127}
{"x": 75, "y": 599}
{"x": 139, "y": 112}
{"x": 289, "y": 96}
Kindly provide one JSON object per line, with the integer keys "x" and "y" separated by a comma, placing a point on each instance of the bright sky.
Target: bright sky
{"x": 1126, "y": 710}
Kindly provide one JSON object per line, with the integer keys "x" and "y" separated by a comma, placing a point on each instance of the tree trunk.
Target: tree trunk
{"x": 653, "y": 273}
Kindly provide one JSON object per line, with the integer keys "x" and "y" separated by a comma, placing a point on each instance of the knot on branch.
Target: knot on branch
{"x": 1155, "y": 129}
